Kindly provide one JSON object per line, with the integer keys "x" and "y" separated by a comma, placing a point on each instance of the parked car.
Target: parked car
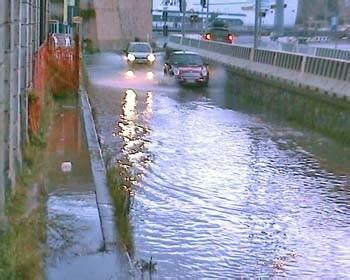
{"x": 139, "y": 53}
{"x": 187, "y": 68}
{"x": 218, "y": 31}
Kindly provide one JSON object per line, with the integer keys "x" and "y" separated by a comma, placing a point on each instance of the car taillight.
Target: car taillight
{"x": 207, "y": 36}
{"x": 230, "y": 37}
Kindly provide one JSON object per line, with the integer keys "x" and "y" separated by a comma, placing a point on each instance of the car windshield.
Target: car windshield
{"x": 139, "y": 48}
{"x": 186, "y": 60}
{"x": 222, "y": 29}
{"x": 219, "y": 32}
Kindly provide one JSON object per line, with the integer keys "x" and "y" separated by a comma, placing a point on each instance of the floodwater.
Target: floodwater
{"x": 219, "y": 193}
{"x": 75, "y": 241}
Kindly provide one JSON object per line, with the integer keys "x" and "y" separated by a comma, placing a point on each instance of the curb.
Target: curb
{"x": 103, "y": 199}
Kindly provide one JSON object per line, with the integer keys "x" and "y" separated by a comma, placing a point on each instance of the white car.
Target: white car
{"x": 139, "y": 53}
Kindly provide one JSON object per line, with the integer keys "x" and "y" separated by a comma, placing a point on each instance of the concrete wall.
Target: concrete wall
{"x": 89, "y": 27}
{"x": 20, "y": 28}
{"x": 120, "y": 21}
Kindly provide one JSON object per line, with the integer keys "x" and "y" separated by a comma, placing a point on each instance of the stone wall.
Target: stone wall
{"x": 120, "y": 21}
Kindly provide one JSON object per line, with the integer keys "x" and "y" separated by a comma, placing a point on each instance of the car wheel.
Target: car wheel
{"x": 165, "y": 72}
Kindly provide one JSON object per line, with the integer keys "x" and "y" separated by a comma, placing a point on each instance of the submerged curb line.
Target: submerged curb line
{"x": 103, "y": 199}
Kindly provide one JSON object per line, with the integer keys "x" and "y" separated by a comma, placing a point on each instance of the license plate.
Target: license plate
{"x": 191, "y": 80}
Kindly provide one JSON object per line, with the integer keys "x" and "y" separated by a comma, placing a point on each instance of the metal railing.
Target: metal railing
{"x": 305, "y": 49}
{"x": 333, "y": 68}
{"x": 333, "y": 53}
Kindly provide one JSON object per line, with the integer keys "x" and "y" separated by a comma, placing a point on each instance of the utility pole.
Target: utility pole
{"x": 183, "y": 8}
{"x": 202, "y": 17}
{"x": 207, "y": 23}
{"x": 256, "y": 25}
{"x": 65, "y": 12}
{"x": 279, "y": 18}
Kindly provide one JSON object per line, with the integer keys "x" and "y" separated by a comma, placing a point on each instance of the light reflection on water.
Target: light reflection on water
{"x": 223, "y": 195}
{"x": 133, "y": 159}
{"x": 224, "y": 199}
{"x": 74, "y": 236}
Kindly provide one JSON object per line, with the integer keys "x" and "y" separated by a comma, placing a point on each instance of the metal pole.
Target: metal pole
{"x": 256, "y": 25}
{"x": 4, "y": 94}
{"x": 260, "y": 25}
{"x": 207, "y": 21}
{"x": 183, "y": 17}
{"x": 25, "y": 64}
{"x": 279, "y": 17}
{"x": 65, "y": 12}
{"x": 14, "y": 92}
{"x": 202, "y": 12}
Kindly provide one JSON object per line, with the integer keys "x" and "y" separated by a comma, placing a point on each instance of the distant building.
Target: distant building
{"x": 235, "y": 11}
{"x": 345, "y": 11}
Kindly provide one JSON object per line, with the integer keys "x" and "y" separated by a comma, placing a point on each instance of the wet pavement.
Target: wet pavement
{"x": 219, "y": 193}
{"x": 75, "y": 241}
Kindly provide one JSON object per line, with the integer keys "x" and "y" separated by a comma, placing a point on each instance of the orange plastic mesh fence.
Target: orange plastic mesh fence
{"x": 56, "y": 72}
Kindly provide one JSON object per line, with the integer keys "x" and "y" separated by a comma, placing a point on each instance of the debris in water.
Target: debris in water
{"x": 66, "y": 166}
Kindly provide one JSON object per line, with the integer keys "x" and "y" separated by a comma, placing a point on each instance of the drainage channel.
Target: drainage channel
{"x": 76, "y": 245}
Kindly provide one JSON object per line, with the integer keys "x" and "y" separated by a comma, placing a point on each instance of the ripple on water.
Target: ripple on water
{"x": 224, "y": 195}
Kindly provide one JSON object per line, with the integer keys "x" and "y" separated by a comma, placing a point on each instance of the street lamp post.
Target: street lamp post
{"x": 207, "y": 21}
{"x": 65, "y": 12}
{"x": 183, "y": 7}
{"x": 256, "y": 25}
{"x": 202, "y": 18}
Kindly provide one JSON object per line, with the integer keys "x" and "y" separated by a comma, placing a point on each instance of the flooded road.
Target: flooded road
{"x": 219, "y": 193}
{"x": 75, "y": 241}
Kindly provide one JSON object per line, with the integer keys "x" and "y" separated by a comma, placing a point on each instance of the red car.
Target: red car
{"x": 187, "y": 68}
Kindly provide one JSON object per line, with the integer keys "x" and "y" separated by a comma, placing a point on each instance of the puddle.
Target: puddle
{"x": 74, "y": 237}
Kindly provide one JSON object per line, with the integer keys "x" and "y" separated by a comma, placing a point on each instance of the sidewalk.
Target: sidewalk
{"x": 76, "y": 243}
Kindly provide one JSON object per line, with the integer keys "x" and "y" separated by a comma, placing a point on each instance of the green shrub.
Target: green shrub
{"x": 87, "y": 14}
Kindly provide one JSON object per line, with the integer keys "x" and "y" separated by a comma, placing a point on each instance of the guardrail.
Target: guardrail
{"x": 333, "y": 53}
{"x": 333, "y": 68}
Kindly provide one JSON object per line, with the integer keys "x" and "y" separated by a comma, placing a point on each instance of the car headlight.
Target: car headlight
{"x": 176, "y": 71}
{"x": 151, "y": 58}
{"x": 204, "y": 71}
{"x": 131, "y": 57}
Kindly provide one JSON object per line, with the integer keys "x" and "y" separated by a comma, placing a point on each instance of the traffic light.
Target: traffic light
{"x": 165, "y": 30}
{"x": 194, "y": 18}
{"x": 204, "y": 3}
{"x": 262, "y": 14}
{"x": 165, "y": 16}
